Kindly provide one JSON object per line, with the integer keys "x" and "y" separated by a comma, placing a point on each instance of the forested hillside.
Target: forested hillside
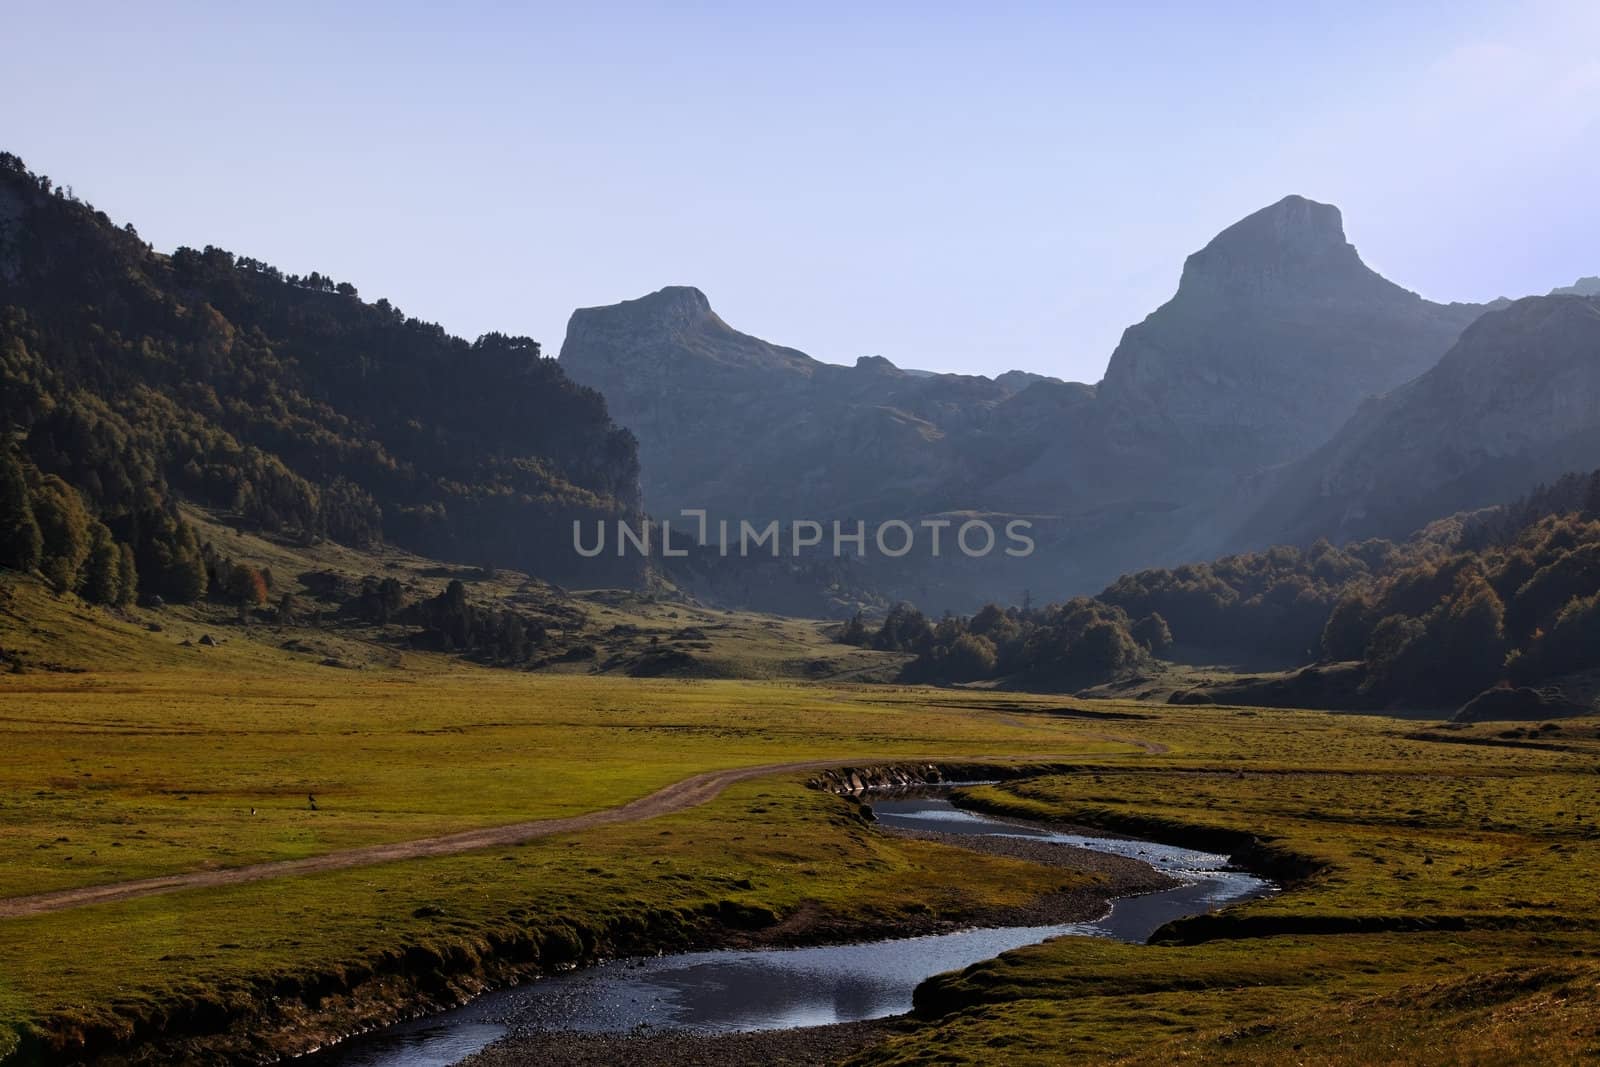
{"x": 1505, "y": 597}
{"x": 130, "y": 379}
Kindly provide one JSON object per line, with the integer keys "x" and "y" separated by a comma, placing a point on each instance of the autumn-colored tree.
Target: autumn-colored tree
{"x": 245, "y": 585}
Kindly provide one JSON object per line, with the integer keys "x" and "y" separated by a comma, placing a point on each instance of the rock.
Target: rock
{"x": 1275, "y": 334}
{"x": 744, "y": 427}
{"x": 1277, "y": 331}
{"x": 208, "y": 640}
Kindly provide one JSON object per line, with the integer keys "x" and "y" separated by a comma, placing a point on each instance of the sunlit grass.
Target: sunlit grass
{"x": 1448, "y": 917}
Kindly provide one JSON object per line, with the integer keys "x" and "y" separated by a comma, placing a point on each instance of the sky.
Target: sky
{"x": 958, "y": 187}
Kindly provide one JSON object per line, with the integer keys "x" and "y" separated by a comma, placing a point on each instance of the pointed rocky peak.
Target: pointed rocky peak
{"x": 674, "y": 325}
{"x": 1275, "y": 334}
{"x": 1293, "y": 224}
{"x": 1294, "y": 247}
{"x": 670, "y": 308}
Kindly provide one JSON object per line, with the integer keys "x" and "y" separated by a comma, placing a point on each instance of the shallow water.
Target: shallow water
{"x": 779, "y": 988}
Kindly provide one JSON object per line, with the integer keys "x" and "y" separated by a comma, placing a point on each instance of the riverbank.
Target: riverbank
{"x": 256, "y": 971}
{"x": 1110, "y": 877}
{"x": 1443, "y": 918}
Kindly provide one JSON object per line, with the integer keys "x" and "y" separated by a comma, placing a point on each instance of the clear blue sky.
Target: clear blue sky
{"x": 955, "y": 186}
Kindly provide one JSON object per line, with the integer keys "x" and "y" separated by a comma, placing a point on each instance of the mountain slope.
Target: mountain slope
{"x": 1514, "y": 403}
{"x": 729, "y": 421}
{"x": 1276, "y": 333}
{"x": 143, "y": 378}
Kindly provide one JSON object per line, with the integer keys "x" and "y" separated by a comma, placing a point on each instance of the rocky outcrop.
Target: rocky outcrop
{"x": 1276, "y": 334}
{"x": 740, "y": 426}
{"x": 1277, "y": 331}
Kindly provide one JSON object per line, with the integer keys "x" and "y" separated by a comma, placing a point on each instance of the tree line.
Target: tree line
{"x": 1504, "y": 596}
{"x": 1080, "y": 643}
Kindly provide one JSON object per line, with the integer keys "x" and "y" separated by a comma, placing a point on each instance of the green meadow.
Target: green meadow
{"x": 1438, "y": 879}
{"x": 1440, "y": 908}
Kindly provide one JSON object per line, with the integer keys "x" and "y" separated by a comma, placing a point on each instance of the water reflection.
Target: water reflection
{"x": 780, "y": 988}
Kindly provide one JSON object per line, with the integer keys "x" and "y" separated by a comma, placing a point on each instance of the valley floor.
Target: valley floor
{"x": 1441, "y": 880}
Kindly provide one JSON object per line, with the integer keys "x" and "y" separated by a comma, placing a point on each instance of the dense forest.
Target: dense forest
{"x": 131, "y": 380}
{"x": 1062, "y": 646}
{"x": 1502, "y": 597}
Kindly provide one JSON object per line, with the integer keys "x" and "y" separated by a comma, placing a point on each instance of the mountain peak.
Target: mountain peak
{"x": 1275, "y": 334}
{"x": 672, "y": 303}
{"x": 1284, "y": 244}
{"x": 670, "y": 330}
{"x": 1294, "y": 221}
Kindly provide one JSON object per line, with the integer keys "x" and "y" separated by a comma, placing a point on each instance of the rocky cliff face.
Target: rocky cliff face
{"x": 1277, "y": 331}
{"x": 1514, "y": 403}
{"x": 735, "y": 424}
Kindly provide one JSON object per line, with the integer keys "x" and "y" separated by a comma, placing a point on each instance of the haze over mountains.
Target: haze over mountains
{"x": 1277, "y": 334}
{"x": 1516, "y": 402}
{"x": 1286, "y": 392}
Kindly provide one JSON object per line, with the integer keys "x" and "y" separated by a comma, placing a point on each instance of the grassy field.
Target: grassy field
{"x": 116, "y": 776}
{"x": 111, "y": 777}
{"x": 1444, "y": 913}
{"x": 1443, "y": 893}
{"x": 608, "y": 631}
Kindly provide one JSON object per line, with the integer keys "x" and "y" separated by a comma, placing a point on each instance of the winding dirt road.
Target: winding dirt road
{"x": 690, "y": 792}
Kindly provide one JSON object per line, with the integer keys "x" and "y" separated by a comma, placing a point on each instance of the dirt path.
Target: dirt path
{"x": 690, "y": 792}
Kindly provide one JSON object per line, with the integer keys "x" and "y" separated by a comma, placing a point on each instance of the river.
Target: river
{"x": 767, "y": 989}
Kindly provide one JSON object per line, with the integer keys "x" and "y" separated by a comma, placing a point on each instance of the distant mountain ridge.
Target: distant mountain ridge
{"x": 1285, "y": 392}
{"x": 732, "y": 421}
{"x": 1276, "y": 334}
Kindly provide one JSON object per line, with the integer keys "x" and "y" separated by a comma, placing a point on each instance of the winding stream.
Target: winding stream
{"x": 767, "y": 989}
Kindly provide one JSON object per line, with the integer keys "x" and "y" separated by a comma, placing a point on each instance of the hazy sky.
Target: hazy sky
{"x": 965, "y": 187}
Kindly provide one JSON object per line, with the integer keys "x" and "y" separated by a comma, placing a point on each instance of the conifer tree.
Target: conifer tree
{"x": 127, "y": 576}
{"x": 101, "y": 581}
